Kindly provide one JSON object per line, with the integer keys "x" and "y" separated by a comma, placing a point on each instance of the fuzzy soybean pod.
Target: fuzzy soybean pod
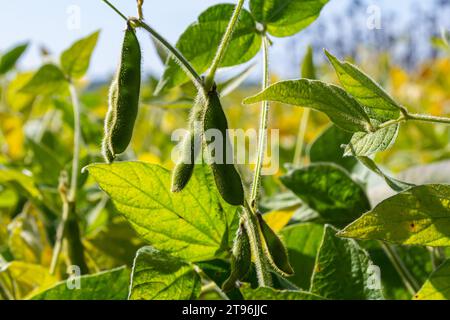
{"x": 241, "y": 259}
{"x": 190, "y": 148}
{"x": 123, "y": 98}
{"x": 277, "y": 252}
{"x": 220, "y": 151}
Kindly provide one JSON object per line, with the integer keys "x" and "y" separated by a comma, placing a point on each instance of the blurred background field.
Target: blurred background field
{"x": 405, "y": 56}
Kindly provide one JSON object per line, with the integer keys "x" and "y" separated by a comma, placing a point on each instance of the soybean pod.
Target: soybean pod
{"x": 220, "y": 152}
{"x": 123, "y": 98}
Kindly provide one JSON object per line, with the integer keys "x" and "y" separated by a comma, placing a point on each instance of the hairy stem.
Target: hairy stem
{"x": 408, "y": 280}
{"x": 263, "y": 125}
{"x": 301, "y": 137}
{"x": 223, "y": 45}
{"x": 76, "y": 143}
{"x": 254, "y": 234}
{"x": 427, "y": 118}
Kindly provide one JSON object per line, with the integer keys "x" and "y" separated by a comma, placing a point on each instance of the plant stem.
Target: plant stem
{"x": 174, "y": 53}
{"x": 115, "y": 9}
{"x": 408, "y": 280}
{"x": 76, "y": 143}
{"x": 254, "y": 234}
{"x": 427, "y": 118}
{"x": 223, "y": 45}
{"x": 301, "y": 137}
{"x": 263, "y": 125}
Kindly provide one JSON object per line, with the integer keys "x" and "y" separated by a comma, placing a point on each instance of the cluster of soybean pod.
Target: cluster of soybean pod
{"x": 207, "y": 110}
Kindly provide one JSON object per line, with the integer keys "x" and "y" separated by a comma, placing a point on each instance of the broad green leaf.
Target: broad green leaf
{"x": 194, "y": 224}
{"x": 337, "y": 104}
{"x": 308, "y": 69}
{"x": 437, "y": 287}
{"x": 284, "y": 18}
{"x": 106, "y": 285}
{"x": 328, "y": 148}
{"x": 370, "y": 94}
{"x": 364, "y": 144}
{"x": 75, "y": 60}
{"x": 49, "y": 79}
{"x": 20, "y": 181}
{"x": 10, "y": 58}
{"x": 394, "y": 184}
{"x": 17, "y": 100}
{"x": 344, "y": 271}
{"x": 201, "y": 40}
{"x": 329, "y": 190}
{"x": 302, "y": 242}
{"x": 22, "y": 279}
{"x": 267, "y": 293}
{"x": 417, "y": 216}
{"x": 159, "y": 276}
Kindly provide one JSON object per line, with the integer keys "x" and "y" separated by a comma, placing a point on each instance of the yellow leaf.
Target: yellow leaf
{"x": 277, "y": 220}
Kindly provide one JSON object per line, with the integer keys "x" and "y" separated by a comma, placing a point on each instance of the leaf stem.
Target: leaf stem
{"x": 408, "y": 280}
{"x": 301, "y": 137}
{"x": 427, "y": 118}
{"x": 174, "y": 53}
{"x": 223, "y": 45}
{"x": 254, "y": 234}
{"x": 263, "y": 125}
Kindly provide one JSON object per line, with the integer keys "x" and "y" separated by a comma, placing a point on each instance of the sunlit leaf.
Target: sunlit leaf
{"x": 159, "y": 276}
{"x": 277, "y": 220}
{"x": 338, "y": 105}
{"x": 47, "y": 80}
{"x": 308, "y": 69}
{"x": 9, "y": 59}
{"x": 368, "y": 143}
{"x": 437, "y": 287}
{"x": 417, "y": 216}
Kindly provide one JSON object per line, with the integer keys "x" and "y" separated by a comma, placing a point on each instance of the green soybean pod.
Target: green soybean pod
{"x": 190, "y": 149}
{"x": 241, "y": 259}
{"x": 123, "y": 98}
{"x": 277, "y": 252}
{"x": 228, "y": 180}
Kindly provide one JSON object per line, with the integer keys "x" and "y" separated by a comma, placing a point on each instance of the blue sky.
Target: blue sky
{"x": 45, "y": 22}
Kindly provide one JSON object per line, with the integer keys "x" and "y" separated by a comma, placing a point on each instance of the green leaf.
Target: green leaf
{"x": 365, "y": 144}
{"x": 48, "y": 80}
{"x": 328, "y": 148}
{"x": 159, "y": 276}
{"x": 308, "y": 69}
{"x": 201, "y": 40}
{"x": 20, "y": 181}
{"x": 266, "y": 293}
{"x": 10, "y": 58}
{"x": 343, "y": 270}
{"x": 418, "y": 216}
{"x": 437, "y": 287}
{"x": 302, "y": 242}
{"x": 75, "y": 60}
{"x": 106, "y": 285}
{"x": 329, "y": 190}
{"x": 370, "y": 94}
{"x": 337, "y": 104}
{"x": 194, "y": 224}
{"x": 284, "y": 18}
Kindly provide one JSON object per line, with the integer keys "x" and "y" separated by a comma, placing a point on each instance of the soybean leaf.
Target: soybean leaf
{"x": 75, "y": 60}
{"x": 284, "y": 18}
{"x": 417, "y": 216}
{"x": 308, "y": 69}
{"x": 10, "y": 58}
{"x": 379, "y": 104}
{"x": 158, "y": 276}
{"x": 329, "y": 190}
{"x": 437, "y": 287}
{"x": 20, "y": 181}
{"x": 394, "y": 184}
{"x": 17, "y": 100}
{"x": 365, "y": 144}
{"x": 194, "y": 224}
{"x": 201, "y": 40}
{"x": 106, "y": 285}
{"x": 343, "y": 270}
{"x": 302, "y": 242}
{"x": 337, "y": 104}
{"x": 267, "y": 293}
{"x": 47, "y": 80}
{"x": 328, "y": 148}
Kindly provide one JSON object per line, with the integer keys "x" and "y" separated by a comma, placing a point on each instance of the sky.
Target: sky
{"x": 55, "y": 24}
